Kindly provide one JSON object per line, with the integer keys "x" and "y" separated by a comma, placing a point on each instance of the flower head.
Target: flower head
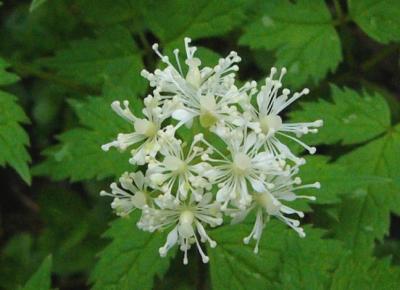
{"x": 187, "y": 219}
{"x": 146, "y": 130}
{"x": 207, "y": 93}
{"x": 269, "y": 203}
{"x": 179, "y": 173}
{"x": 132, "y": 193}
{"x": 266, "y": 117}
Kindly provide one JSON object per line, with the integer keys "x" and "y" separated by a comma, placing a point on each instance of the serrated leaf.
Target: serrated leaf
{"x": 366, "y": 217}
{"x": 297, "y": 263}
{"x": 13, "y": 138}
{"x": 41, "y": 280}
{"x": 78, "y": 156}
{"x": 111, "y": 58}
{"x": 379, "y": 19}
{"x": 350, "y": 118}
{"x": 131, "y": 260}
{"x": 301, "y": 34}
{"x": 193, "y": 19}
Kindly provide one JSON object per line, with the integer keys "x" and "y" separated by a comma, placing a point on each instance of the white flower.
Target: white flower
{"x": 132, "y": 193}
{"x": 209, "y": 93}
{"x": 187, "y": 219}
{"x": 268, "y": 203}
{"x": 245, "y": 164}
{"x": 146, "y": 130}
{"x": 267, "y": 120}
{"x": 245, "y": 168}
{"x": 179, "y": 173}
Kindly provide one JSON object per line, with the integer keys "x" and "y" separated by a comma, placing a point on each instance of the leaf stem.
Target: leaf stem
{"x": 378, "y": 57}
{"x": 25, "y": 69}
{"x": 338, "y": 9}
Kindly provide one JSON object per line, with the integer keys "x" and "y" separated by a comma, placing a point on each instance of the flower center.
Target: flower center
{"x": 268, "y": 202}
{"x": 175, "y": 164}
{"x": 193, "y": 75}
{"x": 185, "y": 223}
{"x": 270, "y": 123}
{"x": 207, "y": 111}
{"x": 145, "y": 127}
{"x": 241, "y": 163}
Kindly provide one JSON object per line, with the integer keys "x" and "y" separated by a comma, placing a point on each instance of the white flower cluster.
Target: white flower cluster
{"x": 235, "y": 163}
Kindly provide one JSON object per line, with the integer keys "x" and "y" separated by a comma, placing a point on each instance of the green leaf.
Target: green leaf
{"x": 105, "y": 13}
{"x": 194, "y": 19}
{"x": 112, "y": 58}
{"x": 79, "y": 156}
{"x": 18, "y": 260}
{"x": 365, "y": 217}
{"x": 6, "y": 78}
{"x": 36, "y": 4}
{"x": 301, "y": 34}
{"x": 366, "y": 274}
{"x": 131, "y": 260}
{"x": 41, "y": 280}
{"x": 13, "y": 138}
{"x": 379, "y": 19}
{"x": 350, "y": 117}
{"x": 329, "y": 174}
{"x": 73, "y": 241}
{"x": 297, "y": 263}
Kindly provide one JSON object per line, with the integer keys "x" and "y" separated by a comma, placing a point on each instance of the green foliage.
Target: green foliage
{"x": 329, "y": 174}
{"x": 350, "y": 117}
{"x": 111, "y": 58}
{"x": 286, "y": 261}
{"x": 79, "y": 155}
{"x": 365, "y": 215}
{"x": 41, "y": 280}
{"x": 13, "y": 138}
{"x": 379, "y": 19}
{"x": 192, "y": 18}
{"x": 302, "y": 36}
{"x": 131, "y": 260}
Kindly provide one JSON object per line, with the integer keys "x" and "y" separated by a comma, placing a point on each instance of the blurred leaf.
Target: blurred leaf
{"x": 379, "y": 19}
{"x": 365, "y": 217}
{"x": 36, "y": 4}
{"x": 297, "y": 263}
{"x": 73, "y": 240}
{"x": 41, "y": 280}
{"x": 78, "y": 156}
{"x": 194, "y": 19}
{"x": 106, "y": 13}
{"x": 131, "y": 260}
{"x": 351, "y": 118}
{"x": 17, "y": 261}
{"x": 31, "y": 35}
{"x": 302, "y": 35}
{"x": 13, "y": 138}
{"x": 110, "y": 58}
